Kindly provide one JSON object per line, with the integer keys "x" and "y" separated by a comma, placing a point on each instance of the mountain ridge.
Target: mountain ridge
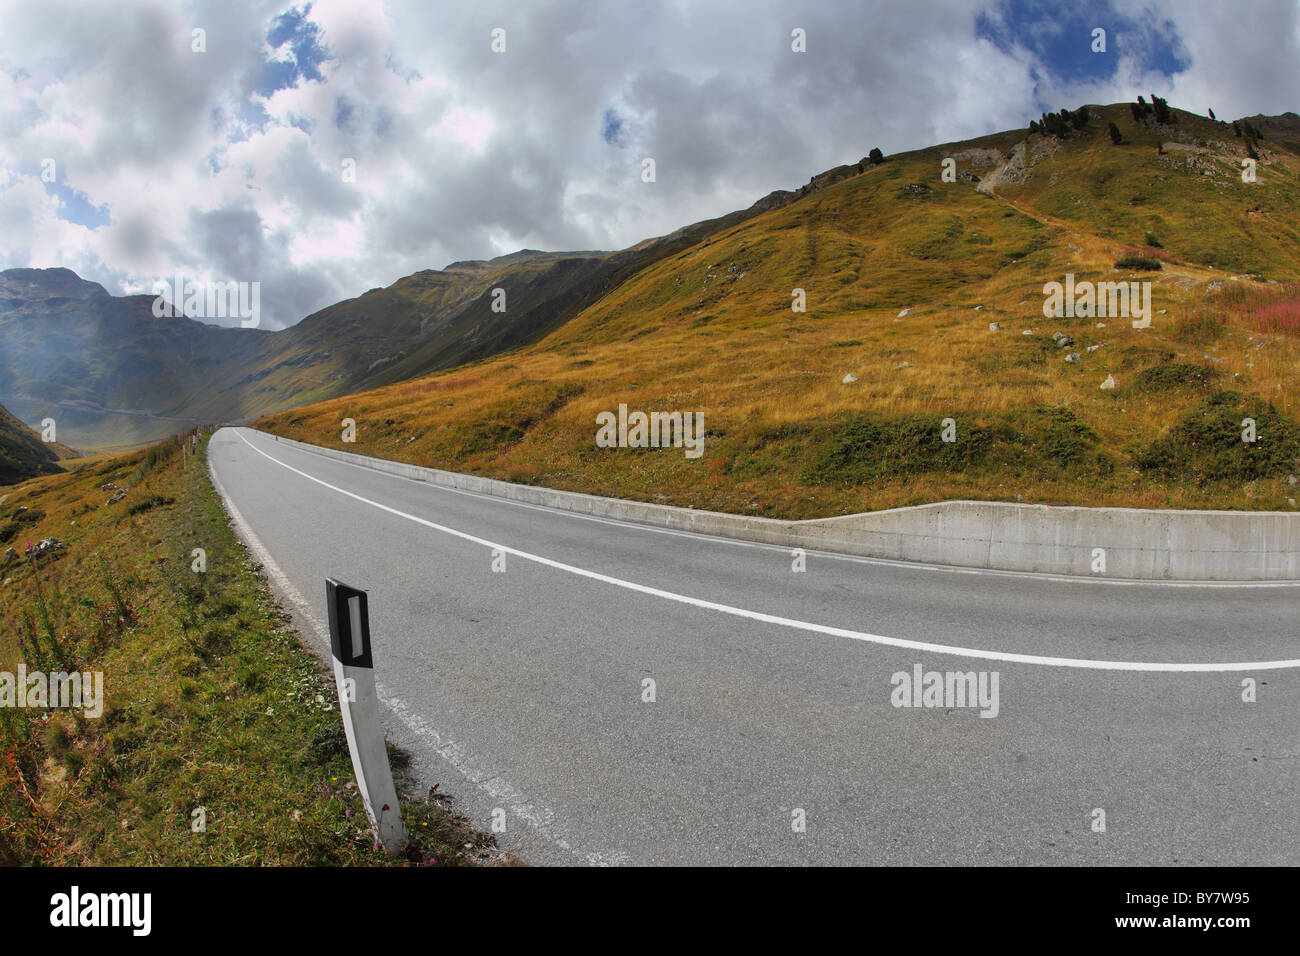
{"x": 924, "y": 304}
{"x": 428, "y": 321}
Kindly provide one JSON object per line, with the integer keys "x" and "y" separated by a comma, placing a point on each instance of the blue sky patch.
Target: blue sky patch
{"x": 293, "y": 30}
{"x": 612, "y": 128}
{"x": 1059, "y": 38}
{"x": 75, "y": 207}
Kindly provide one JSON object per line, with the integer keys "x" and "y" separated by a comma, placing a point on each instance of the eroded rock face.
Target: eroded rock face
{"x": 980, "y": 158}
{"x": 1007, "y": 170}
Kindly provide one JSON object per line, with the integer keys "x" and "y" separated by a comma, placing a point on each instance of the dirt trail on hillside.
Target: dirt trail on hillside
{"x": 1182, "y": 276}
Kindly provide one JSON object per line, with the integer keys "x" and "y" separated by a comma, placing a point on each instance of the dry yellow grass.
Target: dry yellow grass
{"x": 711, "y": 330}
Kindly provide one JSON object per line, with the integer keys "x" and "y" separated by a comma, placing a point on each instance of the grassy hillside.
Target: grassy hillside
{"x": 112, "y": 374}
{"x": 22, "y": 453}
{"x": 211, "y": 701}
{"x": 903, "y": 274}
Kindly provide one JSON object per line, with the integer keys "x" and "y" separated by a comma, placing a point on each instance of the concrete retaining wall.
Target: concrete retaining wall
{"x": 1138, "y": 543}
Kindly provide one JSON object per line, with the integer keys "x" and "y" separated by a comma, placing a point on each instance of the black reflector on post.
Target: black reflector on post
{"x": 349, "y": 624}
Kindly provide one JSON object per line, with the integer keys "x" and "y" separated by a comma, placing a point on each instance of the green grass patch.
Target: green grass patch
{"x": 214, "y": 712}
{"x": 1206, "y": 444}
{"x": 859, "y": 449}
{"x": 1173, "y": 375}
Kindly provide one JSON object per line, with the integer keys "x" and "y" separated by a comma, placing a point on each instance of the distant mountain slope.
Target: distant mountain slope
{"x": 22, "y": 453}
{"x": 113, "y": 374}
{"x": 856, "y": 237}
{"x": 919, "y": 293}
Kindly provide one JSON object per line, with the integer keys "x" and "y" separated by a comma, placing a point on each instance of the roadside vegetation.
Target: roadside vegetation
{"x": 220, "y": 741}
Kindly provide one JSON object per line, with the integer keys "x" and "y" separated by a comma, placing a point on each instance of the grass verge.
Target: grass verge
{"x": 220, "y": 741}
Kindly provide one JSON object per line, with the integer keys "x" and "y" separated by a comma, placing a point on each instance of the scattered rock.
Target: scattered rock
{"x": 1074, "y": 357}
{"x": 1093, "y": 348}
{"x": 848, "y": 379}
{"x": 1290, "y": 480}
{"x": 903, "y": 365}
{"x": 994, "y": 327}
{"x": 978, "y": 307}
{"x": 904, "y": 312}
{"x": 118, "y": 492}
{"x": 1026, "y": 331}
{"x": 45, "y": 546}
{"x": 1062, "y": 340}
{"x": 10, "y": 553}
{"x": 1109, "y": 383}
{"x": 1101, "y": 325}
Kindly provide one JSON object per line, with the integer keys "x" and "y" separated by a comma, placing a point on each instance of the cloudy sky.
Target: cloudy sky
{"x": 327, "y": 148}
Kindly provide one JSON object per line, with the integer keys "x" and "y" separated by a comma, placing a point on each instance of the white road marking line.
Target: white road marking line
{"x": 498, "y": 790}
{"x": 831, "y": 555}
{"x": 923, "y": 646}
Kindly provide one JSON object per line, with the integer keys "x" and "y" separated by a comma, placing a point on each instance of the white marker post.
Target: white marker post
{"x": 354, "y": 673}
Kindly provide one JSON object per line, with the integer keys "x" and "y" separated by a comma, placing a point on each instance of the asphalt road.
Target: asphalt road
{"x": 774, "y": 699}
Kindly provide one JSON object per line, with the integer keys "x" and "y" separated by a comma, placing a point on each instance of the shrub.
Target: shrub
{"x": 860, "y": 449}
{"x": 1205, "y": 445}
{"x": 10, "y": 528}
{"x": 1161, "y": 106}
{"x": 154, "y": 501}
{"x": 1066, "y": 440}
{"x": 1169, "y": 375}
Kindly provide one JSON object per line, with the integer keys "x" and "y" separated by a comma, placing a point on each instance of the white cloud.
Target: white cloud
{"x": 461, "y": 153}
